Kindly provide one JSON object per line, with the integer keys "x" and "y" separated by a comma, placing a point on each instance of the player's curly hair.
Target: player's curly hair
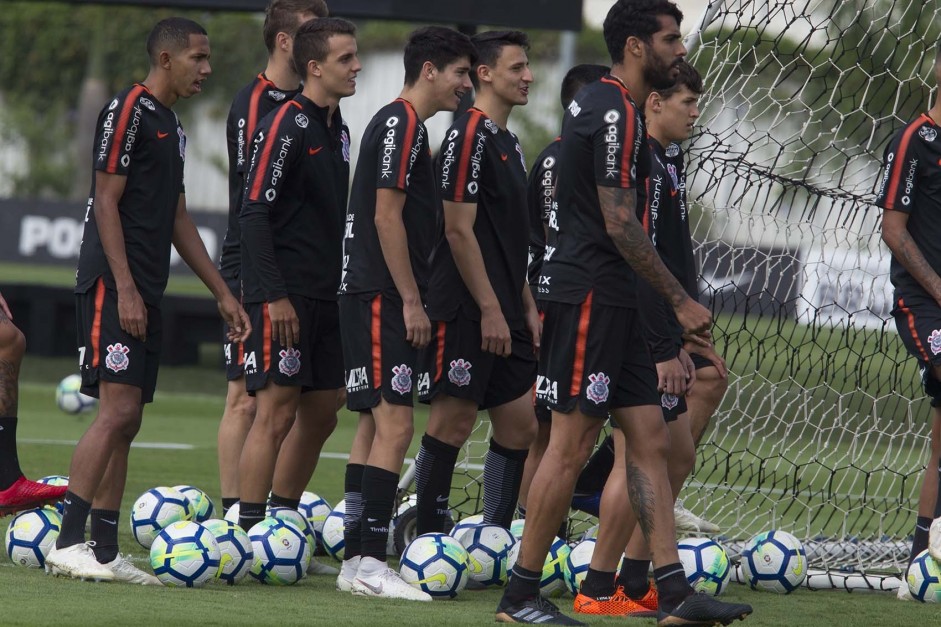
{"x": 437, "y": 44}
{"x": 635, "y": 18}
{"x": 281, "y": 16}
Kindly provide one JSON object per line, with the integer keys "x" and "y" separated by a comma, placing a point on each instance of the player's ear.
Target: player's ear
{"x": 163, "y": 59}
{"x": 313, "y": 68}
{"x": 283, "y": 41}
{"x": 654, "y": 102}
{"x": 428, "y": 70}
{"x": 483, "y": 73}
{"x": 634, "y": 46}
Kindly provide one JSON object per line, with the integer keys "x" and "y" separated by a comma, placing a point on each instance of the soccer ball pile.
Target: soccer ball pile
{"x": 774, "y": 561}
{"x": 70, "y": 399}
{"x": 435, "y": 563}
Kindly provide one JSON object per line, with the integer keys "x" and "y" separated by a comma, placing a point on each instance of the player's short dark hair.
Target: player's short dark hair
{"x": 171, "y": 34}
{"x": 688, "y": 77}
{"x": 490, "y": 43}
{"x": 635, "y": 18}
{"x": 311, "y": 42}
{"x": 579, "y": 76}
{"x": 281, "y": 16}
{"x": 437, "y": 44}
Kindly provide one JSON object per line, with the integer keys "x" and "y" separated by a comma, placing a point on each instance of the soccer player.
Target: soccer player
{"x": 910, "y": 230}
{"x": 292, "y": 233}
{"x": 390, "y": 230}
{"x": 594, "y": 353}
{"x": 16, "y": 492}
{"x": 485, "y": 324}
{"x": 136, "y": 208}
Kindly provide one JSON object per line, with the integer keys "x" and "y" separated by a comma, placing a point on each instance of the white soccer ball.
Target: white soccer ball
{"x": 774, "y": 561}
{"x": 294, "y": 517}
{"x": 316, "y": 509}
{"x": 69, "y": 396}
{"x": 516, "y": 528}
{"x": 155, "y": 510}
{"x": 233, "y": 514}
{"x": 332, "y": 535}
{"x": 185, "y": 554}
{"x": 576, "y": 564}
{"x": 435, "y": 563}
{"x": 31, "y": 535}
{"x": 487, "y": 548}
{"x": 552, "y": 583}
{"x": 706, "y": 564}
{"x": 468, "y": 523}
{"x": 59, "y": 481}
{"x": 201, "y": 505}
{"x": 282, "y": 554}
{"x": 924, "y": 578}
{"x": 235, "y": 549}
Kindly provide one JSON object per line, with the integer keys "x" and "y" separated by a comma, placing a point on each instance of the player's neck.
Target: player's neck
{"x": 496, "y": 108}
{"x": 657, "y": 134}
{"x": 320, "y": 97}
{"x": 935, "y": 112}
{"x": 632, "y": 76}
{"x": 420, "y": 101}
{"x": 280, "y": 72}
{"x": 158, "y": 84}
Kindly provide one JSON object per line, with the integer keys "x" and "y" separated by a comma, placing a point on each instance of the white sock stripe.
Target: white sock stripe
{"x": 671, "y": 573}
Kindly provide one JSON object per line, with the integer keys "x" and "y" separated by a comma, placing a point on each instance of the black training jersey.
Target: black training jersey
{"x": 912, "y": 184}
{"x": 666, "y": 220}
{"x": 393, "y": 154}
{"x": 603, "y": 144}
{"x": 250, "y": 105}
{"x": 295, "y": 202}
{"x": 138, "y": 138}
{"x": 480, "y": 163}
{"x": 541, "y": 200}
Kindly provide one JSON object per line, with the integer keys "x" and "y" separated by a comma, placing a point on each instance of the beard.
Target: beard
{"x": 658, "y": 74}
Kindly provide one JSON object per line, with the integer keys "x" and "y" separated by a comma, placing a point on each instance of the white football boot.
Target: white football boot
{"x": 687, "y": 521}
{"x": 347, "y": 574}
{"x": 127, "y": 572}
{"x": 378, "y": 580}
{"x": 78, "y": 562}
{"x": 934, "y": 540}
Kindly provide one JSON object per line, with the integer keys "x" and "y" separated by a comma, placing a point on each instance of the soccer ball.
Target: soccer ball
{"x": 516, "y": 528}
{"x": 282, "y": 554}
{"x": 156, "y": 509}
{"x": 552, "y": 584}
{"x": 31, "y": 535}
{"x": 235, "y": 549}
{"x": 332, "y": 535}
{"x": 69, "y": 396}
{"x": 435, "y": 563}
{"x": 200, "y": 503}
{"x": 487, "y": 548}
{"x": 294, "y": 517}
{"x": 468, "y": 523}
{"x": 775, "y": 561}
{"x": 706, "y": 564}
{"x": 924, "y": 578}
{"x": 315, "y": 510}
{"x": 233, "y": 514}
{"x": 576, "y": 564}
{"x": 55, "y": 480}
{"x": 185, "y": 555}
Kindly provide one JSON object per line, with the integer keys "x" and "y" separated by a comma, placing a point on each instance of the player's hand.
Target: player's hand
{"x": 417, "y": 324}
{"x": 690, "y": 370}
{"x": 710, "y": 354}
{"x": 695, "y": 320}
{"x": 285, "y": 327}
{"x": 494, "y": 333}
{"x": 233, "y": 314}
{"x": 132, "y": 313}
{"x": 672, "y": 377}
{"x": 534, "y": 324}
{"x": 5, "y": 309}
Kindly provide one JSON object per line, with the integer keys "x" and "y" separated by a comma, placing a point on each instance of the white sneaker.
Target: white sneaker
{"x": 687, "y": 521}
{"x": 347, "y": 574}
{"x": 127, "y": 572}
{"x": 319, "y": 568}
{"x": 934, "y": 539}
{"x": 385, "y": 583}
{"x": 78, "y": 562}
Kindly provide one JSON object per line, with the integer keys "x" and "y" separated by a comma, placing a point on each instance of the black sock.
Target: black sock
{"x": 9, "y": 462}
{"x": 672, "y": 586}
{"x": 379, "y": 487}
{"x": 74, "y": 514}
{"x": 598, "y": 583}
{"x": 634, "y": 577}
{"x": 104, "y": 532}
{"x": 227, "y": 503}
{"x": 920, "y": 542}
{"x": 353, "y": 495}
{"x": 521, "y": 511}
{"x": 596, "y": 471}
{"x": 250, "y": 514}
{"x": 283, "y": 501}
{"x": 503, "y": 472}
{"x": 434, "y": 468}
{"x": 523, "y": 584}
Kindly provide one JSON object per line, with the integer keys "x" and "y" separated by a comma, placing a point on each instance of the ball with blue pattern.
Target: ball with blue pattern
{"x": 487, "y": 547}
{"x": 282, "y": 553}
{"x": 706, "y": 564}
{"x": 235, "y": 550}
{"x": 185, "y": 554}
{"x": 435, "y": 563}
{"x": 31, "y": 535}
{"x": 774, "y": 561}
{"x": 924, "y": 578}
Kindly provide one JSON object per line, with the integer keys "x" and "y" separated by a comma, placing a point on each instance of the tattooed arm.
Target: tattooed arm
{"x": 896, "y": 236}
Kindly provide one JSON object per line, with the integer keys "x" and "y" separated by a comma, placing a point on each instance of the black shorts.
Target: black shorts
{"x": 315, "y": 363}
{"x": 673, "y": 406}
{"x": 454, "y": 364}
{"x": 233, "y": 352}
{"x": 918, "y": 320}
{"x": 595, "y": 356}
{"x": 700, "y": 362}
{"x": 106, "y": 353}
{"x": 379, "y": 362}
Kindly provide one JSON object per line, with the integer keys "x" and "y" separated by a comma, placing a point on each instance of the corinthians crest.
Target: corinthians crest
{"x": 669, "y": 401}
{"x": 402, "y": 379}
{"x": 459, "y": 374}
{"x": 117, "y": 359}
{"x": 597, "y": 390}
{"x": 290, "y": 363}
{"x": 934, "y": 341}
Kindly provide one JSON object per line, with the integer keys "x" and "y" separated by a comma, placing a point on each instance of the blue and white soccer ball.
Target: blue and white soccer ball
{"x": 233, "y": 514}
{"x": 155, "y": 510}
{"x": 516, "y": 528}
{"x": 552, "y": 584}
{"x": 296, "y": 518}
{"x": 235, "y": 550}
{"x": 316, "y": 509}
{"x": 185, "y": 554}
{"x": 59, "y": 481}
{"x": 487, "y": 548}
{"x": 467, "y": 523}
{"x": 31, "y": 535}
{"x": 924, "y": 578}
{"x": 576, "y": 564}
{"x": 70, "y": 399}
{"x": 774, "y": 561}
{"x": 282, "y": 553}
{"x": 332, "y": 534}
{"x": 435, "y": 563}
{"x": 200, "y": 504}
{"x": 706, "y": 564}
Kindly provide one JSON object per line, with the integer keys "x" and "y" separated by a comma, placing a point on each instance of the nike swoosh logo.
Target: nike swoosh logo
{"x": 503, "y": 157}
{"x": 375, "y": 589}
{"x": 441, "y": 499}
{"x": 314, "y": 151}
{"x": 672, "y": 192}
{"x": 67, "y": 501}
{"x": 161, "y": 135}
{"x": 372, "y": 520}
{"x": 110, "y": 522}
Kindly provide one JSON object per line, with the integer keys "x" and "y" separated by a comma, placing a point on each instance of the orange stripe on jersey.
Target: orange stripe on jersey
{"x": 581, "y": 340}
{"x": 439, "y": 353}
{"x": 911, "y": 328}
{"x": 118, "y": 140}
{"x": 266, "y": 335}
{"x": 252, "y": 121}
{"x": 262, "y": 172}
{"x": 96, "y": 322}
{"x": 895, "y": 178}
{"x": 409, "y": 138}
{"x": 472, "y": 120}
{"x": 375, "y": 332}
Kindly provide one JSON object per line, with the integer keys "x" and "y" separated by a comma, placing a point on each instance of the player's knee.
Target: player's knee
{"x": 396, "y": 433}
{"x": 454, "y": 432}
{"x": 655, "y": 446}
{"x": 12, "y": 342}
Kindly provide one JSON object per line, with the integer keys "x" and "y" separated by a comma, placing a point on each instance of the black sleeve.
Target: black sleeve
{"x": 663, "y": 330}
